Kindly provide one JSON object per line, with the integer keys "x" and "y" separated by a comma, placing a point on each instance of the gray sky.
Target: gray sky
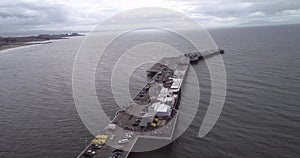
{"x": 26, "y": 15}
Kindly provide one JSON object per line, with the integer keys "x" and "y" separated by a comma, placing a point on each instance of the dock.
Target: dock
{"x": 151, "y": 114}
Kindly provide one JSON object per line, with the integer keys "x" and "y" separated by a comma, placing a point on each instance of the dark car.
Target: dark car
{"x": 135, "y": 124}
{"x": 89, "y": 153}
{"x": 116, "y": 153}
{"x": 96, "y": 146}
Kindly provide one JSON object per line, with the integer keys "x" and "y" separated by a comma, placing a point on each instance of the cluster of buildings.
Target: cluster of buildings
{"x": 163, "y": 105}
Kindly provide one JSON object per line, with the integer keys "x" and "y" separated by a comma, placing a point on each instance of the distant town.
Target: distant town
{"x": 12, "y": 42}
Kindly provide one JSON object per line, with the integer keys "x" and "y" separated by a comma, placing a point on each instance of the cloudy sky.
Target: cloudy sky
{"x": 26, "y": 15}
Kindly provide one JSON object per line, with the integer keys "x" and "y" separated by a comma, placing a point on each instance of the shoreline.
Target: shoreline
{"x": 15, "y": 42}
{"x": 17, "y": 45}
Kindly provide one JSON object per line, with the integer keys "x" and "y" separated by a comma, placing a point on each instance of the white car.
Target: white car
{"x": 128, "y": 135}
{"x": 92, "y": 152}
{"x": 112, "y": 137}
{"x": 123, "y": 141}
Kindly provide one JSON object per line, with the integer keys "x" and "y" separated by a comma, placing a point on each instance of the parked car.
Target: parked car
{"x": 89, "y": 153}
{"x": 96, "y": 146}
{"x": 112, "y": 137}
{"x": 128, "y": 135}
{"x": 116, "y": 153}
{"x": 123, "y": 141}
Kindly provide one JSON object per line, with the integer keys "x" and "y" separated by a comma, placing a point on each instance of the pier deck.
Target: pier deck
{"x": 153, "y": 112}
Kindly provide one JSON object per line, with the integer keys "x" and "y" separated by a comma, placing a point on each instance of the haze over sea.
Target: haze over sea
{"x": 260, "y": 117}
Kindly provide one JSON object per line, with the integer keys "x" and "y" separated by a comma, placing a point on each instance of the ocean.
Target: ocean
{"x": 260, "y": 117}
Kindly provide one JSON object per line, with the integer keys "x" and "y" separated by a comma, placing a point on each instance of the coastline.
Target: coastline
{"x": 16, "y": 45}
{"x": 15, "y": 42}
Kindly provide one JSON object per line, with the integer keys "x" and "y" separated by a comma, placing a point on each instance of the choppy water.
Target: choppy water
{"x": 260, "y": 117}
